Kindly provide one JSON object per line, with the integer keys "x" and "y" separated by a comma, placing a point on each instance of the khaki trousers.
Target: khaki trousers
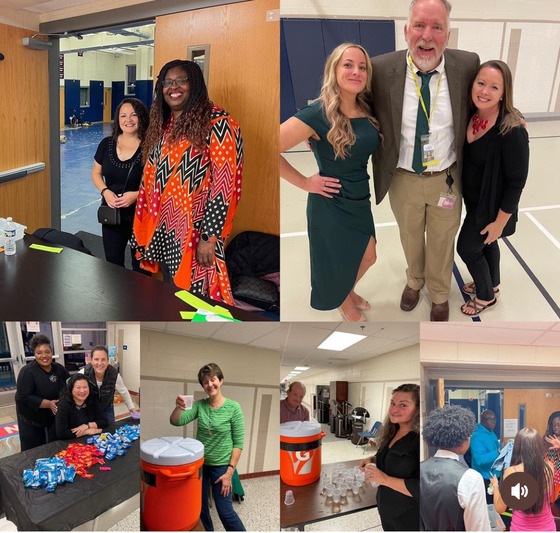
{"x": 427, "y": 231}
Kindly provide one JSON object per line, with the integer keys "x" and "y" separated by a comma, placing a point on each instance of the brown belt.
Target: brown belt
{"x": 428, "y": 173}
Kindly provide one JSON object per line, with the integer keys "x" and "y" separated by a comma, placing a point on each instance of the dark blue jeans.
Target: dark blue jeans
{"x": 109, "y": 413}
{"x": 224, "y": 504}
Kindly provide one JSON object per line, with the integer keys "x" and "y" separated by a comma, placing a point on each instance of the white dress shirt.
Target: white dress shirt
{"x": 471, "y": 494}
{"x": 441, "y": 123}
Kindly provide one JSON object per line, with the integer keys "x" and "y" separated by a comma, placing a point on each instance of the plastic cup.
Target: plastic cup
{"x": 289, "y": 498}
{"x": 189, "y": 400}
{"x": 356, "y": 487}
{"x": 336, "y": 495}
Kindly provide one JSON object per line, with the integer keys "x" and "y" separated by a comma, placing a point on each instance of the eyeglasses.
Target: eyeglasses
{"x": 181, "y": 82}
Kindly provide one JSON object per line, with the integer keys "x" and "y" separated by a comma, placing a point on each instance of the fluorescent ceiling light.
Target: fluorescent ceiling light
{"x": 301, "y": 368}
{"x": 295, "y": 372}
{"x": 339, "y": 341}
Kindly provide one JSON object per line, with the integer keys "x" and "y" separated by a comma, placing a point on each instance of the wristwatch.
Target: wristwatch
{"x": 208, "y": 238}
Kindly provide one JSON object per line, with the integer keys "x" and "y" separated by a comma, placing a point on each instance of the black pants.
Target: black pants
{"x": 482, "y": 260}
{"x": 31, "y": 436}
{"x": 115, "y": 239}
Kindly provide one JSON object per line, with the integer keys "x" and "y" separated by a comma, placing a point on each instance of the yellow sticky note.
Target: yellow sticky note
{"x": 43, "y": 248}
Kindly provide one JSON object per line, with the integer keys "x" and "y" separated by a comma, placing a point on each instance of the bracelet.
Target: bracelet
{"x": 231, "y": 466}
{"x": 103, "y": 190}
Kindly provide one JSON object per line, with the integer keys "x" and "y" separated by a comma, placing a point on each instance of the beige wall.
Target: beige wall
{"x": 370, "y": 382}
{"x": 24, "y": 133}
{"x": 244, "y": 79}
{"x": 169, "y": 366}
{"x": 127, "y": 334}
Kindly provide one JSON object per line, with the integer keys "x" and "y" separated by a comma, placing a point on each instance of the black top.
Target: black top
{"x": 495, "y": 177}
{"x": 35, "y": 385}
{"x": 115, "y": 171}
{"x": 71, "y": 416}
{"x": 399, "y": 512}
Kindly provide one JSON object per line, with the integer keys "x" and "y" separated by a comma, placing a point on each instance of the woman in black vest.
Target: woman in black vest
{"x": 103, "y": 380}
{"x": 78, "y": 413}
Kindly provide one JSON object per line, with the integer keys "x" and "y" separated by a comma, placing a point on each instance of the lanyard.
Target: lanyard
{"x": 428, "y": 117}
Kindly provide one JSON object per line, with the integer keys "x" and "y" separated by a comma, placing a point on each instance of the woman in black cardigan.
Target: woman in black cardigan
{"x": 78, "y": 414}
{"x": 495, "y": 167}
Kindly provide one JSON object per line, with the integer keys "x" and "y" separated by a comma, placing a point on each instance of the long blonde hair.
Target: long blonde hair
{"x": 341, "y": 135}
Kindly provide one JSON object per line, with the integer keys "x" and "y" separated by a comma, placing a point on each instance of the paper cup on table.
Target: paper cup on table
{"x": 289, "y": 497}
{"x": 189, "y": 400}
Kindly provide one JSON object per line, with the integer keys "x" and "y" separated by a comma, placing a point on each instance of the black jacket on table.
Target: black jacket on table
{"x": 398, "y": 511}
{"x": 505, "y": 175}
{"x": 104, "y": 395}
{"x": 70, "y": 416}
{"x": 35, "y": 385}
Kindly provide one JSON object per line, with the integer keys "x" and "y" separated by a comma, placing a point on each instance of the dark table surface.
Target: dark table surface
{"x": 71, "y": 504}
{"x": 309, "y": 505}
{"x": 74, "y": 287}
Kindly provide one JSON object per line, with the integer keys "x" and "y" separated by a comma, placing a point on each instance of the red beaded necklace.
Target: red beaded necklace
{"x": 477, "y": 124}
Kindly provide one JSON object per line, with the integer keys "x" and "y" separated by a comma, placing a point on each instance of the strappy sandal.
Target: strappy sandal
{"x": 477, "y": 307}
{"x": 470, "y": 289}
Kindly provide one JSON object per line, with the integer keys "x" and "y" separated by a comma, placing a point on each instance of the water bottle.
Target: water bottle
{"x": 10, "y": 237}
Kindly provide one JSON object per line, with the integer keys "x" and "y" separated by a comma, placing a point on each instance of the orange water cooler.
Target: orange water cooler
{"x": 300, "y": 452}
{"x": 171, "y": 469}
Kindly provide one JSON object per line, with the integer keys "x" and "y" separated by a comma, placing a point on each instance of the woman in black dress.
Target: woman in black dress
{"x": 78, "y": 413}
{"x": 397, "y": 462}
{"x": 117, "y": 172}
{"x": 38, "y": 389}
{"x": 495, "y": 167}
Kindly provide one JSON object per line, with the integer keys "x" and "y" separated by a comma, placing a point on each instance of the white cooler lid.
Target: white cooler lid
{"x": 171, "y": 451}
{"x": 300, "y": 429}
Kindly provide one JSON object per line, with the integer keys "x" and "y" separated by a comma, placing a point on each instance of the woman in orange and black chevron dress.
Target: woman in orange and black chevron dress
{"x": 191, "y": 185}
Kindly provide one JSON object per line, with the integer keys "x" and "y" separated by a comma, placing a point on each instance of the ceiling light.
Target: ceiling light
{"x": 302, "y": 368}
{"x": 339, "y": 341}
{"x": 295, "y": 372}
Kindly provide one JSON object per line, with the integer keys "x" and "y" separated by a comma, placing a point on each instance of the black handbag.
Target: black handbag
{"x": 108, "y": 215}
{"x": 111, "y": 216}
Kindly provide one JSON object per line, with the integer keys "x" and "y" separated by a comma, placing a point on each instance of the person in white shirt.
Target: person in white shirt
{"x": 453, "y": 495}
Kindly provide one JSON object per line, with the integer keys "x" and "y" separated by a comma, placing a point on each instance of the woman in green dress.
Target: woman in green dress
{"x": 343, "y": 134}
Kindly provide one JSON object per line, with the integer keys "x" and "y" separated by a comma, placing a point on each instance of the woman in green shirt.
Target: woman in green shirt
{"x": 221, "y": 428}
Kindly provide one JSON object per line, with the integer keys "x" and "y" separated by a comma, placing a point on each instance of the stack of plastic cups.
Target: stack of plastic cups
{"x": 336, "y": 500}
{"x": 324, "y": 482}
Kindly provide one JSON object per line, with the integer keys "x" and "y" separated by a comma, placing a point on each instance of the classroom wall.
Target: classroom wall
{"x": 121, "y": 334}
{"x": 169, "y": 366}
{"x": 243, "y": 79}
{"x": 371, "y": 381}
{"x": 24, "y": 134}
{"x": 524, "y": 34}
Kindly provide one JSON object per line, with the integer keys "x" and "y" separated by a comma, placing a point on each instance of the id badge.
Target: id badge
{"x": 428, "y": 150}
{"x": 447, "y": 200}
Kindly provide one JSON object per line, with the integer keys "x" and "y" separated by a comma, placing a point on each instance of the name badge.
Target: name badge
{"x": 447, "y": 200}
{"x": 427, "y": 143}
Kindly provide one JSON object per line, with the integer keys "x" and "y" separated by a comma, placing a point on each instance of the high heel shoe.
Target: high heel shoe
{"x": 362, "y": 317}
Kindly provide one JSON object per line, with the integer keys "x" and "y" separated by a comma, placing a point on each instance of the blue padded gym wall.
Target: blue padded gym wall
{"x": 305, "y": 45}
{"x": 94, "y": 112}
{"x": 117, "y": 95}
{"x": 71, "y": 99}
{"x": 144, "y": 90}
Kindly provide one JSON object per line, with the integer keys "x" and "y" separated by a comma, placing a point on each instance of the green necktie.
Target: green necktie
{"x": 421, "y": 122}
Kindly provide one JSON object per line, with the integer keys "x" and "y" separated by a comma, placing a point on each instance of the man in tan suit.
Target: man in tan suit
{"x": 421, "y": 169}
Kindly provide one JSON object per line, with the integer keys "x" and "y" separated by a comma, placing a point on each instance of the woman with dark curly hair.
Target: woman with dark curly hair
{"x": 551, "y": 444}
{"x": 395, "y": 467}
{"x": 117, "y": 171}
{"x": 38, "y": 389}
{"x": 528, "y": 457}
{"x": 453, "y": 495}
{"x": 191, "y": 185}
